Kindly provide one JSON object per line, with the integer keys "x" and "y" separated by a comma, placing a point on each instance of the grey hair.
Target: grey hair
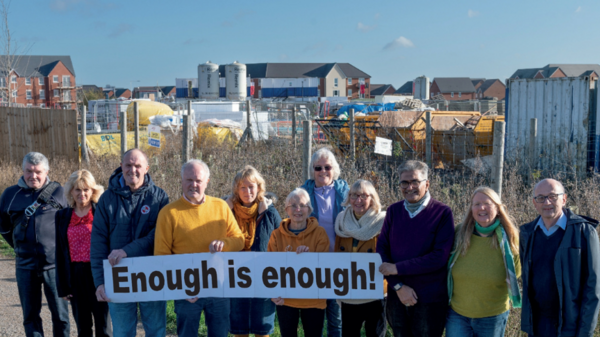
{"x": 327, "y": 154}
{"x": 547, "y": 180}
{"x": 298, "y": 193}
{"x": 36, "y": 158}
{"x": 414, "y": 165}
{"x": 367, "y": 187}
{"x": 195, "y": 161}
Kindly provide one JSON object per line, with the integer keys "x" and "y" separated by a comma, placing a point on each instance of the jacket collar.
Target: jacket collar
{"x": 23, "y": 184}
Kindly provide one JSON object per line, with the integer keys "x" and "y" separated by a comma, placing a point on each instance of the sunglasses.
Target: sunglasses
{"x": 319, "y": 168}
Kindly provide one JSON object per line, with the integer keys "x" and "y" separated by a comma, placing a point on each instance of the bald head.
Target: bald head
{"x": 136, "y": 152}
{"x": 551, "y": 199}
{"x": 135, "y": 166}
{"x": 550, "y": 184}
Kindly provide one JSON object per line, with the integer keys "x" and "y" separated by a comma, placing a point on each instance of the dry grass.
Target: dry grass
{"x": 281, "y": 165}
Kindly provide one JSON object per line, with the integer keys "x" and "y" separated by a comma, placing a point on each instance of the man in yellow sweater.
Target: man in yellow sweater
{"x": 198, "y": 223}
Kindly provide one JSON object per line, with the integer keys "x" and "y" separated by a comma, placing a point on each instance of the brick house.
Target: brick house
{"x": 453, "y": 88}
{"x": 43, "y": 81}
{"x": 405, "y": 90}
{"x": 157, "y": 92}
{"x": 559, "y": 70}
{"x": 119, "y": 93}
{"x": 382, "y": 89}
{"x": 491, "y": 88}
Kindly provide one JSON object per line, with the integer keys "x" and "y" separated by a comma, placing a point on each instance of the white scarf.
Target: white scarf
{"x": 364, "y": 229}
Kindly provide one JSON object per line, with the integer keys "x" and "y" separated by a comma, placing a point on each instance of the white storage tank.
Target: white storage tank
{"x": 422, "y": 88}
{"x": 235, "y": 81}
{"x": 208, "y": 80}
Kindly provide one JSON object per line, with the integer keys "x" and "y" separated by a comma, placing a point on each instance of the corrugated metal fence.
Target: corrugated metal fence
{"x": 52, "y": 132}
{"x": 565, "y": 121}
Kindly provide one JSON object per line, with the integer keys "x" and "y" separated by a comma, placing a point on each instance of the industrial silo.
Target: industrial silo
{"x": 422, "y": 88}
{"x": 208, "y": 80}
{"x": 235, "y": 81}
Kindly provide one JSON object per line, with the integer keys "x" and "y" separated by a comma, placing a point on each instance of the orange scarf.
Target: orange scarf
{"x": 246, "y": 219}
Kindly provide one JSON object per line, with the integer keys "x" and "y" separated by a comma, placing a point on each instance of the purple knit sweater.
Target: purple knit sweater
{"x": 420, "y": 248}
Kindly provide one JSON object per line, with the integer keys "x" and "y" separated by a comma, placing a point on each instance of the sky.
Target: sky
{"x": 128, "y": 43}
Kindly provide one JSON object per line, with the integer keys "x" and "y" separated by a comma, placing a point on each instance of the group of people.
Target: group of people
{"x": 462, "y": 279}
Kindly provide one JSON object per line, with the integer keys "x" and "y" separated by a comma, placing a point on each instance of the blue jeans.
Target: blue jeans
{"x": 124, "y": 318}
{"x": 458, "y": 325}
{"x": 251, "y": 316}
{"x": 30, "y": 284}
{"x": 216, "y": 316}
{"x": 334, "y": 319}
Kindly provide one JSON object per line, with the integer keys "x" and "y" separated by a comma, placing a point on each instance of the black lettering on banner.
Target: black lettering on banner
{"x": 134, "y": 284}
{"x": 324, "y": 284}
{"x": 307, "y": 272}
{"x": 372, "y": 275}
{"x": 178, "y": 284}
{"x": 246, "y": 279}
{"x": 231, "y": 275}
{"x": 118, "y": 279}
{"x": 269, "y": 274}
{"x": 355, "y": 274}
{"x": 161, "y": 281}
{"x": 341, "y": 284}
{"x": 194, "y": 283}
{"x": 288, "y": 271}
{"x": 205, "y": 273}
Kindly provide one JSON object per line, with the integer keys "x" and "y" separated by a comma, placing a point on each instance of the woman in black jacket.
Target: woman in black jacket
{"x": 74, "y": 280}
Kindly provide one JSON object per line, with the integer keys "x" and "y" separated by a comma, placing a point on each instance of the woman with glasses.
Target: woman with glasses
{"x": 357, "y": 228}
{"x": 327, "y": 193}
{"x": 483, "y": 269}
{"x": 257, "y": 218}
{"x": 299, "y": 233}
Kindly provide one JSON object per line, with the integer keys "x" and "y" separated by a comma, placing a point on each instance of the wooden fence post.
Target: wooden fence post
{"x": 428, "y": 138}
{"x": 123, "y": 132}
{"x": 84, "y": 153}
{"x": 352, "y": 140}
{"x": 185, "y": 138}
{"x": 498, "y": 159}
{"x": 307, "y": 148}
{"x": 136, "y": 124}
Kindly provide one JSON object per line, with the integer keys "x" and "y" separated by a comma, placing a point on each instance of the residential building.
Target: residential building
{"x": 453, "y": 88}
{"x": 38, "y": 80}
{"x": 493, "y": 88}
{"x": 406, "y": 89}
{"x": 157, "y": 92}
{"x": 559, "y": 70}
{"x": 382, "y": 89}
{"x": 477, "y": 82}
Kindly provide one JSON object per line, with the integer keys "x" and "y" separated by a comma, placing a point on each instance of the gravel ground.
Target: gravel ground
{"x": 11, "y": 316}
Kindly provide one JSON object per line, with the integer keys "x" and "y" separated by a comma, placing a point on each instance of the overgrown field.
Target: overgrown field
{"x": 281, "y": 165}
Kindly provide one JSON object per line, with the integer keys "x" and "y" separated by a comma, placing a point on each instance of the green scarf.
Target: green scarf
{"x": 487, "y": 230}
{"x": 514, "y": 293}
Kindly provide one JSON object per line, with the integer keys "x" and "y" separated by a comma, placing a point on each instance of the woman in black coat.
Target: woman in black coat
{"x": 74, "y": 281}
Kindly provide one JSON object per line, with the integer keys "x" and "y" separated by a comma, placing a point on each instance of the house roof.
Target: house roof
{"x": 454, "y": 84}
{"x": 525, "y": 73}
{"x": 487, "y": 84}
{"x": 91, "y": 87}
{"x": 406, "y": 88}
{"x": 36, "y": 65}
{"x": 477, "y": 81}
{"x": 380, "y": 89}
{"x": 297, "y": 70}
{"x": 166, "y": 90}
{"x": 120, "y": 91}
{"x": 570, "y": 70}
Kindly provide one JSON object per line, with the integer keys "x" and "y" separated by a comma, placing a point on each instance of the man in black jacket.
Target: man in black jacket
{"x": 560, "y": 255}
{"x": 27, "y": 224}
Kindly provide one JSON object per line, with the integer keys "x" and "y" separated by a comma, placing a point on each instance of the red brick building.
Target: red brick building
{"x": 382, "y": 89}
{"x": 453, "y": 88}
{"x": 42, "y": 81}
{"x": 491, "y": 88}
{"x": 559, "y": 70}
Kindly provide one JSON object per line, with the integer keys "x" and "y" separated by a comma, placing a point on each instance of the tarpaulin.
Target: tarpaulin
{"x": 146, "y": 110}
{"x": 110, "y": 143}
{"x": 345, "y": 110}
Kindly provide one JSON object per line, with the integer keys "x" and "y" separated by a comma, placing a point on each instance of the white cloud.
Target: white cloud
{"x": 471, "y": 13}
{"x": 399, "y": 42}
{"x": 283, "y": 57}
{"x": 578, "y": 9}
{"x": 364, "y": 28}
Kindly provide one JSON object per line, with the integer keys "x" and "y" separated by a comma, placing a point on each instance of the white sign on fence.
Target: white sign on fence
{"x": 383, "y": 146}
{"x": 154, "y": 135}
{"x": 245, "y": 274}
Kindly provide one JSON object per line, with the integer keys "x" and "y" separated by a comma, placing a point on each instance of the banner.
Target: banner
{"x": 245, "y": 274}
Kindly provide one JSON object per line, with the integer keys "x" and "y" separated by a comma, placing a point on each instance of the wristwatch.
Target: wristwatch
{"x": 398, "y": 286}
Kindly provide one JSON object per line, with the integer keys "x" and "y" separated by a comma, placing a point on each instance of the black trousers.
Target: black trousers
{"x": 420, "y": 320}
{"x": 372, "y": 314}
{"x": 312, "y": 321}
{"x": 85, "y": 305}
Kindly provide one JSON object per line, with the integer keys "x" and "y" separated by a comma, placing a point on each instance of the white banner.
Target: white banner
{"x": 245, "y": 274}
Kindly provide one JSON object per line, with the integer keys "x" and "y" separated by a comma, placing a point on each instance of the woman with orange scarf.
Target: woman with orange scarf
{"x": 257, "y": 218}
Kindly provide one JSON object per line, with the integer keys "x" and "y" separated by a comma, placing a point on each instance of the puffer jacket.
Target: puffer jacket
{"x": 576, "y": 268}
{"x": 341, "y": 191}
{"x": 125, "y": 220}
{"x": 34, "y": 244}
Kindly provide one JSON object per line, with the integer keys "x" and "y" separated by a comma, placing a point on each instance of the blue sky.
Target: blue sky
{"x": 116, "y": 42}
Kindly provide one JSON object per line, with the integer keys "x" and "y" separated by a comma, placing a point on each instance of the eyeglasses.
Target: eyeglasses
{"x": 413, "y": 183}
{"x": 540, "y": 199}
{"x": 295, "y": 206}
{"x": 319, "y": 168}
{"x": 354, "y": 196}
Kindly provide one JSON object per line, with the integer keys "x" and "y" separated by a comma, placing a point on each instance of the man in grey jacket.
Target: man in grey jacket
{"x": 124, "y": 225}
{"x": 560, "y": 255}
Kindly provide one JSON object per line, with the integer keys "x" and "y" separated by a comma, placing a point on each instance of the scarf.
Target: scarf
{"x": 365, "y": 229}
{"x": 514, "y": 293}
{"x": 246, "y": 219}
{"x": 487, "y": 230}
{"x": 414, "y": 207}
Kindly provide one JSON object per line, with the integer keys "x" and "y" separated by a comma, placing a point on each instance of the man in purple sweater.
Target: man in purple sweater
{"x": 415, "y": 244}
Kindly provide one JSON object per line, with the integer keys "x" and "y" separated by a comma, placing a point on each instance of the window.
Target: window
{"x": 56, "y": 93}
{"x": 451, "y": 94}
{"x": 13, "y": 79}
{"x": 336, "y": 93}
{"x": 335, "y": 82}
{"x": 40, "y": 80}
{"x": 349, "y": 80}
{"x": 42, "y": 94}
{"x": 459, "y": 94}
{"x": 67, "y": 96}
{"x": 42, "y": 105}
{"x": 27, "y": 80}
{"x": 55, "y": 78}
{"x": 28, "y": 94}
{"x": 29, "y": 105}
{"x": 349, "y": 92}
{"x": 14, "y": 93}
{"x": 66, "y": 81}
{"x": 2, "y": 82}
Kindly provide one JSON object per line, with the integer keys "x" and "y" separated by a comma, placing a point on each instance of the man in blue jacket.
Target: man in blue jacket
{"x": 560, "y": 255}
{"x": 124, "y": 225}
{"x": 27, "y": 224}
